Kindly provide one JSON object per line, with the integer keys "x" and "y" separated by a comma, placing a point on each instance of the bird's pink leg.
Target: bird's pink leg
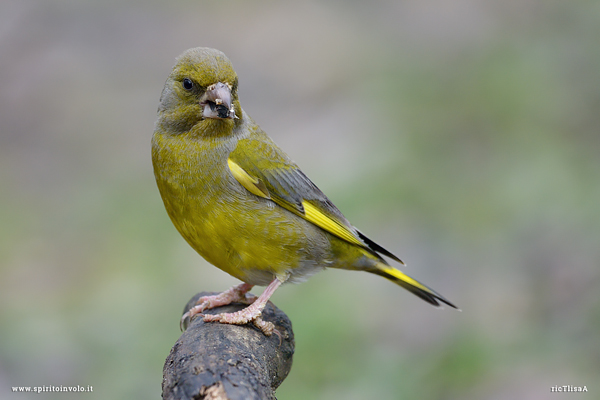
{"x": 250, "y": 313}
{"x": 235, "y": 294}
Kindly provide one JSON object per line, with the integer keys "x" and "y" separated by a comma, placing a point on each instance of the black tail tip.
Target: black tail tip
{"x": 436, "y": 299}
{"x": 432, "y": 297}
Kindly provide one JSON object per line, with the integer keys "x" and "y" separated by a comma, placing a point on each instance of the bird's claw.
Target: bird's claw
{"x": 241, "y": 318}
{"x": 236, "y": 294}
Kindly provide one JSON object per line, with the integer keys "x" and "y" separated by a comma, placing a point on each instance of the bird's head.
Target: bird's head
{"x": 202, "y": 89}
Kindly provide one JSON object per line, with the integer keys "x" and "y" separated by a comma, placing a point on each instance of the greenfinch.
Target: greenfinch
{"x": 241, "y": 202}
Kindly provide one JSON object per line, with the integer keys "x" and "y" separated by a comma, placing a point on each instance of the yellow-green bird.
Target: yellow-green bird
{"x": 241, "y": 202}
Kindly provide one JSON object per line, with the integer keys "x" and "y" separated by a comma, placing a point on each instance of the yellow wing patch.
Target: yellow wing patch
{"x": 311, "y": 212}
{"x": 253, "y": 185}
{"x": 314, "y": 215}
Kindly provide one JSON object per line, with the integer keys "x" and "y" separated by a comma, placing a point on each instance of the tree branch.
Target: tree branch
{"x": 234, "y": 362}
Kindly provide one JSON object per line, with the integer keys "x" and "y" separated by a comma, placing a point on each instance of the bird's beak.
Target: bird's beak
{"x": 216, "y": 102}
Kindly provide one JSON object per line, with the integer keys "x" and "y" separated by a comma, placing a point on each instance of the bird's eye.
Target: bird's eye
{"x": 188, "y": 84}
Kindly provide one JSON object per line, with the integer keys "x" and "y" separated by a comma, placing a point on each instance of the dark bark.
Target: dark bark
{"x": 235, "y": 362}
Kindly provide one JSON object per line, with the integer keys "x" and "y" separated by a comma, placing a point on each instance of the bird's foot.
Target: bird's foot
{"x": 240, "y": 294}
{"x": 251, "y": 313}
{"x": 235, "y": 294}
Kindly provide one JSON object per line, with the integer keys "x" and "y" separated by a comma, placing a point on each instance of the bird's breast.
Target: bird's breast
{"x": 245, "y": 235}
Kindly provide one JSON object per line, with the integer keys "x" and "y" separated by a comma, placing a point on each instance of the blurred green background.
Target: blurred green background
{"x": 463, "y": 136}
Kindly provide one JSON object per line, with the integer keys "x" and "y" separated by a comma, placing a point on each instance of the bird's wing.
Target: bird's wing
{"x": 264, "y": 170}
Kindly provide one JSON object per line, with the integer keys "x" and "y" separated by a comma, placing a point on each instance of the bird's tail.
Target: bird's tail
{"x": 410, "y": 284}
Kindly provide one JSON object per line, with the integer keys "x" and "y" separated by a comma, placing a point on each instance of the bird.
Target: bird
{"x": 242, "y": 203}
